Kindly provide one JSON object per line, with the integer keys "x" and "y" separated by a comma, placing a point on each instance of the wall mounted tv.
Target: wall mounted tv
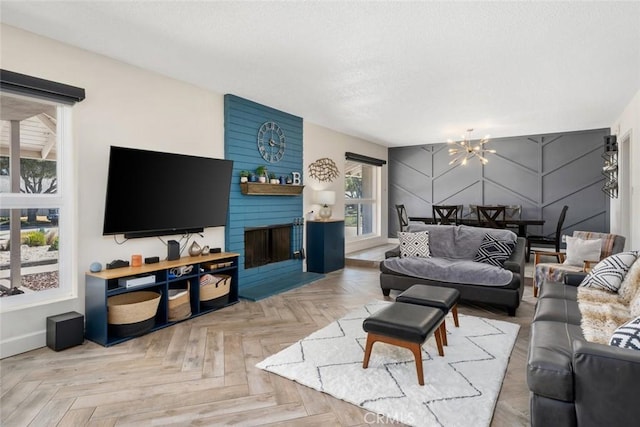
{"x": 151, "y": 193}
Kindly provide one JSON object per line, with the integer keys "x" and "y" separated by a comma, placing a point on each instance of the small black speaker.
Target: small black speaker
{"x": 65, "y": 330}
{"x": 173, "y": 250}
{"x": 151, "y": 260}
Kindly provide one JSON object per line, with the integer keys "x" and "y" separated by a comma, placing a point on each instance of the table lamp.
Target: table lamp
{"x": 326, "y": 199}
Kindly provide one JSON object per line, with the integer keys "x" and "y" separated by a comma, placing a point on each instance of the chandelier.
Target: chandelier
{"x": 464, "y": 150}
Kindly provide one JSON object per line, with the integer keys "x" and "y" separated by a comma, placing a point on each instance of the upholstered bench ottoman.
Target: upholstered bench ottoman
{"x": 404, "y": 325}
{"x": 444, "y": 299}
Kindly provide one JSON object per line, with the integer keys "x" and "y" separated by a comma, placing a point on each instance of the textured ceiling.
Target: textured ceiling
{"x": 396, "y": 73}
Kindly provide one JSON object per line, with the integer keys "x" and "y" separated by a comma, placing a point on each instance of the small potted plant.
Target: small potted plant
{"x": 244, "y": 176}
{"x": 273, "y": 179}
{"x": 261, "y": 173}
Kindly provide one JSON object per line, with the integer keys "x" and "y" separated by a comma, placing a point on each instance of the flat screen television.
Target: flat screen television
{"x": 151, "y": 193}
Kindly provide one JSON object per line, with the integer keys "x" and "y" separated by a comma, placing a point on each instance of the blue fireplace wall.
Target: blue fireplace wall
{"x": 242, "y": 119}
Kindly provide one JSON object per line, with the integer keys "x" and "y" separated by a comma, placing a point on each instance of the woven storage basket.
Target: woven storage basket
{"x": 132, "y": 313}
{"x": 180, "y": 307}
{"x": 132, "y": 307}
{"x": 214, "y": 286}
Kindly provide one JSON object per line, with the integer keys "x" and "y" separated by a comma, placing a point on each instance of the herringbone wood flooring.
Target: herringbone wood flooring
{"x": 201, "y": 371}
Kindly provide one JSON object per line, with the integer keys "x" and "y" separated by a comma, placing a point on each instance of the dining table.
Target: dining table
{"x": 522, "y": 224}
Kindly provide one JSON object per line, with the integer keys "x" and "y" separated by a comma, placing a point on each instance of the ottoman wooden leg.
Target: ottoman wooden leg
{"x": 454, "y": 311}
{"x": 437, "y": 333}
{"x": 417, "y": 354}
{"x": 443, "y": 332}
{"x": 367, "y": 350}
{"x": 415, "y": 348}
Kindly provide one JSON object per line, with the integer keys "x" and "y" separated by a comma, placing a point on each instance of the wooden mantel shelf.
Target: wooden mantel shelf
{"x": 260, "y": 189}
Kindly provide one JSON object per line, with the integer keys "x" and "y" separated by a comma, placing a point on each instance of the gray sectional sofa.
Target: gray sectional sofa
{"x": 453, "y": 247}
{"x": 574, "y": 382}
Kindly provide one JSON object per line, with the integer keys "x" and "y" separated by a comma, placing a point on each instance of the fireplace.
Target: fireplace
{"x": 267, "y": 244}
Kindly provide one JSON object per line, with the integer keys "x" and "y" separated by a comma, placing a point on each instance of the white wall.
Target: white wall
{"x": 130, "y": 107}
{"x": 320, "y": 142}
{"x": 628, "y": 125}
{"x": 124, "y": 106}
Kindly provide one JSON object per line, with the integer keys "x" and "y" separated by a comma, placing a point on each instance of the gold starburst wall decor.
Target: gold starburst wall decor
{"x": 324, "y": 170}
{"x": 465, "y": 150}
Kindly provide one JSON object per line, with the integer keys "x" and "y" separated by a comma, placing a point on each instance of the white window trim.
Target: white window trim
{"x": 64, "y": 200}
{"x": 377, "y": 233}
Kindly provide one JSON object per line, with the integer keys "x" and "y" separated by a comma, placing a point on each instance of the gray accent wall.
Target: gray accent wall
{"x": 541, "y": 173}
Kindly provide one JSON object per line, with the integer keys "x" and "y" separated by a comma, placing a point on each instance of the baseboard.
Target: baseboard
{"x": 23, "y": 343}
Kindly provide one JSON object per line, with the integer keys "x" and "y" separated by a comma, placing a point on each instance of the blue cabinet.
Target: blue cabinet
{"x": 325, "y": 246}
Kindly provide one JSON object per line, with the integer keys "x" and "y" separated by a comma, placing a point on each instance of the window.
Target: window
{"x": 361, "y": 207}
{"x": 36, "y": 237}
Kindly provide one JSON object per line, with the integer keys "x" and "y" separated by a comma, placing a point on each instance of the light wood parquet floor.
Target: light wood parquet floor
{"x": 201, "y": 371}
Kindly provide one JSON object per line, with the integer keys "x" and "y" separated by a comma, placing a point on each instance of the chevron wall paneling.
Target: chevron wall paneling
{"x": 541, "y": 173}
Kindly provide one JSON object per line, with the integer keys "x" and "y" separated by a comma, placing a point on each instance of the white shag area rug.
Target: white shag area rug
{"x": 460, "y": 388}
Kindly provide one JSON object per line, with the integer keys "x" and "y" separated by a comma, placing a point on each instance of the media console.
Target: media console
{"x": 104, "y": 284}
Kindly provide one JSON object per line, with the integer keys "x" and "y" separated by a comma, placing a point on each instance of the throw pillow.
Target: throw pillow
{"x": 414, "y": 244}
{"x": 581, "y": 250}
{"x": 609, "y": 273}
{"x": 631, "y": 284}
{"x": 627, "y": 335}
{"x": 494, "y": 251}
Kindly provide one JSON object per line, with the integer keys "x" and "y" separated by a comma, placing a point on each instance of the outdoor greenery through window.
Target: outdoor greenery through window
{"x": 361, "y": 204}
{"x": 32, "y": 202}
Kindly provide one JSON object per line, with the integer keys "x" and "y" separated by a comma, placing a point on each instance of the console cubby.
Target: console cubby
{"x": 102, "y": 285}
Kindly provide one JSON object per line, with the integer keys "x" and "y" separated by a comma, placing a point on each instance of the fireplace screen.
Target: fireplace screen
{"x": 265, "y": 245}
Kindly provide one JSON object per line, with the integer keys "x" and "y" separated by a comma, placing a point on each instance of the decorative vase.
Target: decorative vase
{"x": 195, "y": 249}
{"x": 252, "y": 177}
{"x": 282, "y": 181}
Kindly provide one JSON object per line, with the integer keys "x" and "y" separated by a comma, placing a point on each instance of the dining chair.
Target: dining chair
{"x": 554, "y": 240}
{"x": 403, "y": 219}
{"x": 513, "y": 212}
{"x": 445, "y": 214}
{"x": 491, "y": 215}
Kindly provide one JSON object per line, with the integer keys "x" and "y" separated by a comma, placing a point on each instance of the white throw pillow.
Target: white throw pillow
{"x": 414, "y": 244}
{"x": 627, "y": 335}
{"x": 581, "y": 250}
{"x": 609, "y": 273}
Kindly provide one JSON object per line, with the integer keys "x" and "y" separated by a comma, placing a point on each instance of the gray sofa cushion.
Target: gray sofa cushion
{"x": 558, "y": 291}
{"x": 450, "y": 270}
{"x": 558, "y": 310}
{"x": 549, "y": 367}
{"x": 458, "y": 242}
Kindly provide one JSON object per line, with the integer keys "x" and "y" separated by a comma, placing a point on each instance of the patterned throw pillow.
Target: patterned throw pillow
{"x": 627, "y": 335}
{"x": 414, "y": 244}
{"x": 493, "y": 251}
{"x": 609, "y": 273}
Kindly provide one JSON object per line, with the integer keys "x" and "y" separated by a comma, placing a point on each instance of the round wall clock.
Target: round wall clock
{"x": 271, "y": 142}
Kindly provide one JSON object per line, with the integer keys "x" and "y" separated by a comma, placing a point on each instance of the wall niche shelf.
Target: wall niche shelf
{"x": 264, "y": 189}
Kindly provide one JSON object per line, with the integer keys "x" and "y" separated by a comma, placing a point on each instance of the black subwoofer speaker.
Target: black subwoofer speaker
{"x": 65, "y": 330}
{"x": 173, "y": 250}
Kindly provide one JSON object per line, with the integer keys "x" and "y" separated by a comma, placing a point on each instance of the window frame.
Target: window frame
{"x": 374, "y": 201}
{"x": 64, "y": 201}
